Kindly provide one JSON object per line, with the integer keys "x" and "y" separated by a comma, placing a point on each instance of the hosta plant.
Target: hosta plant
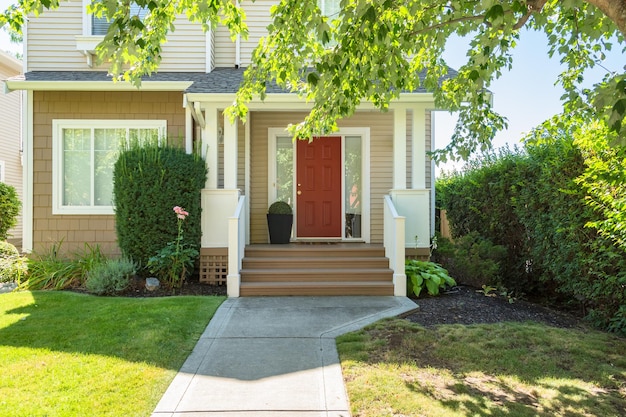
{"x": 429, "y": 275}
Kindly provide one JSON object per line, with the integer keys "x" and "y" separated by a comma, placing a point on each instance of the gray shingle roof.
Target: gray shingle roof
{"x": 218, "y": 81}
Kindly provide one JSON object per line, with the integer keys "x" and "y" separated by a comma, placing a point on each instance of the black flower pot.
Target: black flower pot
{"x": 279, "y": 226}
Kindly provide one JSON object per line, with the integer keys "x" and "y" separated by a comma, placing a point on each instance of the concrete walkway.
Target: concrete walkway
{"x": 273, "y": 356}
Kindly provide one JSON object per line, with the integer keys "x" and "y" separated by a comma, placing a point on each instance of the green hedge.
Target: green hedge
{"x": 480, "y": 200}
{"x": 539, "y": 204}
{"x": 148, "y": 182}
{"x": 9, "y": 209}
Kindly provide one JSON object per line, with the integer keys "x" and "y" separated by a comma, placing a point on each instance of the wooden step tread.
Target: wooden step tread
{"x": 316, "y": 271}
{"x": 336, "y": 288}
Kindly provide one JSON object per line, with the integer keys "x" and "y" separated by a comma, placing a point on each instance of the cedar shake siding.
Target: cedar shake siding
{"x": 75, "y": 230}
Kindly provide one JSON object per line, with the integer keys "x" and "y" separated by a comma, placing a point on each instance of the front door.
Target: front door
{"x": 318, "y": 187}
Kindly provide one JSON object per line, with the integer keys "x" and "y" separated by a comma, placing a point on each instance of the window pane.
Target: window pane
{"x": 100, "y": 25}
{"x": 76, "y": 167}
{"x": 106, "y": 143}
{"x": 353, "y": 190}
{"x": 143, "y": 136}
{"x": 284, "y": 169}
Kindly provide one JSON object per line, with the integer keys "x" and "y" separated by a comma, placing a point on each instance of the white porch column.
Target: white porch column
{"x": 418, "y": 157}
{"x": 230, "y": 154}
{"x": 209, "y": 141}
{"x": 399, "y": 148}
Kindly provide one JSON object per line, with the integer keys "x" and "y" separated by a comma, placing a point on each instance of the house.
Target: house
{"x": 11, "y": 138}
{"x": 375, "y": 168}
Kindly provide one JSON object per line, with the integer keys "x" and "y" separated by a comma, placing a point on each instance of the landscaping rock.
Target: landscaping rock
{"x": 152, "y": 284}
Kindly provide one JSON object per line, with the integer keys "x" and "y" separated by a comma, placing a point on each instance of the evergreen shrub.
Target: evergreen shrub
{"x": 110, "y": 277}
{"x": 148, "y": 181}
{"x": 10, "y": 205}
{"x": 12, "y": 265}
{"x": 481, "y": 199}
{"x": 472, "y": 260}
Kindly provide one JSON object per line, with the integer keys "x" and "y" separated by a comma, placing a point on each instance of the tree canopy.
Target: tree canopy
{"x": 375, "y": 50}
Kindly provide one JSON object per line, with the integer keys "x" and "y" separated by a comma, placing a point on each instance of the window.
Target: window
{"x": 83, "y": 154}
{"x": 100, "y": 25}
{"x": 330, "y": 8}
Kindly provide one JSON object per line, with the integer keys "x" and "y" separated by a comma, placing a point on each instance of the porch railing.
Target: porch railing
{"x": 394, "y": 245}
{"x": 236, "y": 247}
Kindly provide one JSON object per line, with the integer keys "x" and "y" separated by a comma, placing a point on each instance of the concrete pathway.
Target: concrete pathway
{"x": 273, "y": 356}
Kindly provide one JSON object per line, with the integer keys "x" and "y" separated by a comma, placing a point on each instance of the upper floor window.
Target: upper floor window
{"x": 83, "y": 155}
{"x": 330, "y": 8}
{"x": 100, "y": 25}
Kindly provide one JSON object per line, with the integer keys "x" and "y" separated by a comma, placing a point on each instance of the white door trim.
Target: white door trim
{"x": 364, "y": 133}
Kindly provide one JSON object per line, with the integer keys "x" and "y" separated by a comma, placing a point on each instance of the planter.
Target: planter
{"x": 279, "y": 226}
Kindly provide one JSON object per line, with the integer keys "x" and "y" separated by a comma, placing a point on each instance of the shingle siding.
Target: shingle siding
{"x": 75, "y": 230}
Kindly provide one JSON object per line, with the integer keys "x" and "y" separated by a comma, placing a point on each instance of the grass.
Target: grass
{"x": 68, "y": 354}
{"x": 397, "y": 368}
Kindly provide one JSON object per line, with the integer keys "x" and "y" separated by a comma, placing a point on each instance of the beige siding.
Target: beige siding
{"x": 75, "y": 230}
{"x": 258, "y": 18}
{"x": 224, "y": 48}
{"x": 381, "y": 151}
{"x": 51, "y": 39}
{"x": 10, "y": 139}
{"x": 51, "y": 43}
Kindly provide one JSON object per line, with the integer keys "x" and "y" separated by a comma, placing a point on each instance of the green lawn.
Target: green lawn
{"x": 68, "y": 354}
{"x": 397, "y": 368}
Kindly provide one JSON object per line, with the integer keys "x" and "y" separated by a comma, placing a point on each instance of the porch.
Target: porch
{"x": 383, "y": 166}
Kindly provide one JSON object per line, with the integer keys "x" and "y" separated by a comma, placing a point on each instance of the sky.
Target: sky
{"x": 526, "y": 95}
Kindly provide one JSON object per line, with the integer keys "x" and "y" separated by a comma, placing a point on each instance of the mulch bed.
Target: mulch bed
{"x": 465, "y": 305}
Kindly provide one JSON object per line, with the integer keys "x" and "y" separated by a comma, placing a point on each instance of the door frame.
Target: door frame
{"x": 364, "y": 134}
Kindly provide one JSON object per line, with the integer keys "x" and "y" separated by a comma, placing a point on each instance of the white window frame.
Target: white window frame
{"x": 2, "y": 167}
{"x": 58, "y": 125}
{"x": 87, "y": 42}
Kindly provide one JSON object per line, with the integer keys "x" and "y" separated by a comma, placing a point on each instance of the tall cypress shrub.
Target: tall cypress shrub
{"x": 148, "y": 182}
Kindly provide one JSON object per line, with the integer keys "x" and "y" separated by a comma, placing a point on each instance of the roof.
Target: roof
{"x": 218, "y": 81}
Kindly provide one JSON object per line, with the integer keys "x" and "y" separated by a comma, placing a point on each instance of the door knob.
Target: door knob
{"x": 299, "y": 192}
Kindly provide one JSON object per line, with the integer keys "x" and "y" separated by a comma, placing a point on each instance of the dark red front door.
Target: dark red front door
{"x": 318, "y": 200}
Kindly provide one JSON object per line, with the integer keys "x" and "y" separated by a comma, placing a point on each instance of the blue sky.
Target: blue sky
{"x": 526, "y": 95}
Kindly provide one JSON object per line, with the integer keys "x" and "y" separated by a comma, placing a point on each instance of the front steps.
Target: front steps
{"x": 316, "y": 269}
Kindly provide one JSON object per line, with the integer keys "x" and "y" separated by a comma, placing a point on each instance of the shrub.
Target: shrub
{"x": 147, "y": 182}
{"x": 279, "y": 207}
{"x": 482, "y": 199}
{"x": 12, "y": 265}
{"x": 429, "y": 275}
{"x": 110, "y": 277}
{"x": 9, "y": 209}
{"x": 51, "y": 271}
{"x": 174, "y": 261}
{"x": 8, "y": 250}
{"x": 472, "y": 259}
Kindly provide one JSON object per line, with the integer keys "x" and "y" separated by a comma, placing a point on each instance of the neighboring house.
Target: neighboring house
{"x": 11, "y": 137}
{"x": 374, "y": 165}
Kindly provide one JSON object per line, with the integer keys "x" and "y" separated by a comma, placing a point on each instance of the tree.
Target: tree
{"x": 376, "y": 49}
